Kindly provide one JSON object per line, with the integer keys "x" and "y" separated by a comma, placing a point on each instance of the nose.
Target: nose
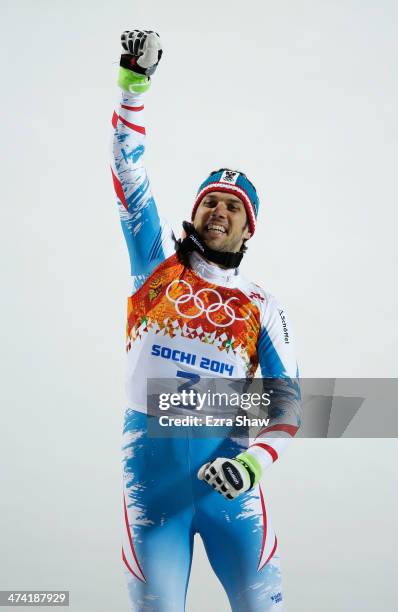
{"x": 220, "y": 209}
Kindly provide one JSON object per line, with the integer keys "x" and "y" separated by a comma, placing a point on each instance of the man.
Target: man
{"x": 191, "y": 315}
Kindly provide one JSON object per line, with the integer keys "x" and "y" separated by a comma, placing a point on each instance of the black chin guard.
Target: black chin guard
{"x": 193, "y": 242}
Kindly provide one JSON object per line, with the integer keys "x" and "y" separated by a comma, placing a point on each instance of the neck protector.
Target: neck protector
{"x": 193, "y": 242}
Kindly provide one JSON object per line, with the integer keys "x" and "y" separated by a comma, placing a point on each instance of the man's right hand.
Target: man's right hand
{"x": 143, "y": 51}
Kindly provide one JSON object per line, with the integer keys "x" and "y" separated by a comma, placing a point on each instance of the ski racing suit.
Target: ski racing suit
{"x": 182, "y": 320}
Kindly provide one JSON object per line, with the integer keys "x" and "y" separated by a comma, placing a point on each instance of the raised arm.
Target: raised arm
{"x": 149, "y": 240}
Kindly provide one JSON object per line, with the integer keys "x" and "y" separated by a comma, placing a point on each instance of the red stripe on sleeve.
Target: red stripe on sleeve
{"x": 290, "y": 429}
{"x": 115, "y": 117}
{"x": 267, "y": 448}
{"x": 133, "y": 126}
{"x": 133, "y": 108}
{"x": 119, "y": 190}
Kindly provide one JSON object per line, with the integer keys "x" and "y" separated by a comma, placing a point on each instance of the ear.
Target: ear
{"x": 246, "y": 233}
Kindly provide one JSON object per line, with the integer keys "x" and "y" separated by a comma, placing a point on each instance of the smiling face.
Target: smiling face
{"x": 221, "y": 221}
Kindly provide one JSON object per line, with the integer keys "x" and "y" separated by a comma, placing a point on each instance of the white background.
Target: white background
{"x": 301, "y": 95}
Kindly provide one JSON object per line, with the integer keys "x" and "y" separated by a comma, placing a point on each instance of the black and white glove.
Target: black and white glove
{"x": 143, "y": 50}
{"x": 229, "y": 477}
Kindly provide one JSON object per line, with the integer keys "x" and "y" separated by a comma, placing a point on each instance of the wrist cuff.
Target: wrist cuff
{"x": 133, "y": 82}
{"x": 251, "y": 464}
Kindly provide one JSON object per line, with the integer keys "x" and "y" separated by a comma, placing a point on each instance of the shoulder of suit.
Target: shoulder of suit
{"x": 255, "y": 293}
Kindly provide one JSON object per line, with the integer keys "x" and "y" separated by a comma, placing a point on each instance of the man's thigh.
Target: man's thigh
{"x": 242, "y": 548}
{"x": 158, "y": 512}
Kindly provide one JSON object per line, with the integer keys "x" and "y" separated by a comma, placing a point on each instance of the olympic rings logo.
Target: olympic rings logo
{"x": 199, "y": 304}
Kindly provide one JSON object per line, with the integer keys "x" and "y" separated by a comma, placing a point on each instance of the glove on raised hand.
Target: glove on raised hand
{"x": 143, "y": 50}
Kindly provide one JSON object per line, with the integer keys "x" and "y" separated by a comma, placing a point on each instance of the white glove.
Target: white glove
{"x": 144, "y": 50}
{"x": 227, "y": 476}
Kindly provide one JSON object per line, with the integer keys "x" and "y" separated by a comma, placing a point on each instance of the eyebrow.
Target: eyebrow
{"x": 230, "y": 200}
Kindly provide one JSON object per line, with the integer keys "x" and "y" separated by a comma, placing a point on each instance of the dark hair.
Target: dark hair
{"x": 243, "y": 248}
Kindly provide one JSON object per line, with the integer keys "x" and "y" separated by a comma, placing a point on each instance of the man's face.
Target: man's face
{"x": 221, "y": 221}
